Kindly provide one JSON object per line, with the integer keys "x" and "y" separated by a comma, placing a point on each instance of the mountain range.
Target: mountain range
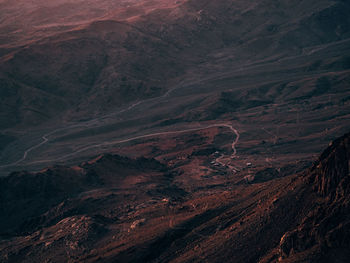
{"x": 174, "y": 131}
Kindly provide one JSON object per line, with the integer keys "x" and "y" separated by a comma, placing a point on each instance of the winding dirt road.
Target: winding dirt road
{"x": 87, "y": 124}
{"x": 115, "y": 142}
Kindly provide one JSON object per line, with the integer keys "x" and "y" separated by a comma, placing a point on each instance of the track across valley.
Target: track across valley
{"x": 116, "y": 142}
{"x": 255, "y": 67}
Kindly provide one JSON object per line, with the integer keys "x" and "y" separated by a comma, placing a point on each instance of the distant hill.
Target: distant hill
{"x": 106, "y": 60}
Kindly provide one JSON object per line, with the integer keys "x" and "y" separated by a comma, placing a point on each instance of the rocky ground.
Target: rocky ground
{"x": 116, "y": 209}
{"x": 174, "y": 131}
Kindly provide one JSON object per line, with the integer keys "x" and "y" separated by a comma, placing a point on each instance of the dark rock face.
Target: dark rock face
{"x": 331, "y": 174}
{"x": 327, "y": 226}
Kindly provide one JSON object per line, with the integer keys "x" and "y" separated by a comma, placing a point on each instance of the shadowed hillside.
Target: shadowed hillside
{"x": 132, "y": 211}
{"x": 174, "y": 131}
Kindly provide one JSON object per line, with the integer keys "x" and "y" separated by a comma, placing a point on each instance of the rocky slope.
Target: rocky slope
{"x": 325, "y": 231}
{"x": 109, "y": 60}
{"x": 97, "y": 213}
{"x": 213, "y": 111}
{"x": 36, "y": 193}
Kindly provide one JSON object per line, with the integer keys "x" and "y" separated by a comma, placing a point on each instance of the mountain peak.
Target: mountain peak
{"x": 331, "y": 172}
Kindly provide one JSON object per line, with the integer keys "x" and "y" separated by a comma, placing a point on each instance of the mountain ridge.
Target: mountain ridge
{"x": 319, "y": 229}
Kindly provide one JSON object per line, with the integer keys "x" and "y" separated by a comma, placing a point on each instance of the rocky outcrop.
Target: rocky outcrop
{"x": 26, "y": 196}
{"x": 331, "y": 172}
{"x": 327, "y": 226}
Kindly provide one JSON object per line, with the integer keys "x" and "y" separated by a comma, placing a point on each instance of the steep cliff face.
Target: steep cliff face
{"x": 324, "y": 234}
{"x": 331, "y": 172}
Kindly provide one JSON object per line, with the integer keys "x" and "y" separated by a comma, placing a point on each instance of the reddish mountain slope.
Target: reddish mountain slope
{"x": 108, "y": 61}
{"x": 94, "y": 213}
{"x": 204, "y": 116}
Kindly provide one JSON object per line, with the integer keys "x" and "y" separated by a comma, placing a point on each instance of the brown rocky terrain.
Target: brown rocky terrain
{"x": 174, "y": 131}
{"x": 116, "y": 209}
